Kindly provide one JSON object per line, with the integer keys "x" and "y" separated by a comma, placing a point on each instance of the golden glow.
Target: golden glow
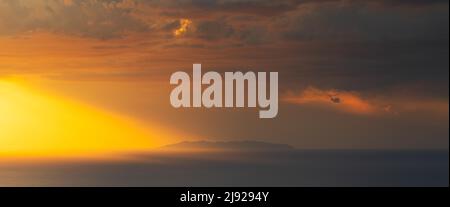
{"x": 343, "y": 100}
{"x": 184, "y": 25}
{"x": 34, "y": 124}
{"x": 352, "y": 102}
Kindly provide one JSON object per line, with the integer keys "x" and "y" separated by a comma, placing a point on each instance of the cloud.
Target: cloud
{"x": 364, "y": 21}
{"x": 352, "y": 45}
{"x": 183, "y": 27}
{"x": 294, "y": 19}
{"x": 264, "y": 8}
{"x": 354, "y": 103}
{"x": 87, "y": 18}
{"x": 341, "y": 100}
{"x": 253, "y": 35}
{"x": 182, "y": 8}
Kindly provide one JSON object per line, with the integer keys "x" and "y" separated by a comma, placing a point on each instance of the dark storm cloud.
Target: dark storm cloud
{"x": 355, "y": 22}
{"x": 313, "y": 20}
{"x": 357, "y": 46}
{"x": 371, "y": 66}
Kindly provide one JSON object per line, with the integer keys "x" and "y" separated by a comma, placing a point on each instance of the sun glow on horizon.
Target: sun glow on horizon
{"x": 35, "y": 124}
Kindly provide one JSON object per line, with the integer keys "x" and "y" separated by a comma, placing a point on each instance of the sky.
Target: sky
{"x": 352, "y": 74}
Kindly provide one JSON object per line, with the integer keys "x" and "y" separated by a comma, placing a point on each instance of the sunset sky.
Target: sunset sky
{"x": 353, "y": 74}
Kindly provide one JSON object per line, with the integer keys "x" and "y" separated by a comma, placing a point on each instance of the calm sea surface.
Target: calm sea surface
{"x": 278, "y": 168}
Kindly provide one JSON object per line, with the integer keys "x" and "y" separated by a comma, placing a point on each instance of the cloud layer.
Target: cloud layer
{"x": 346, "y": 45}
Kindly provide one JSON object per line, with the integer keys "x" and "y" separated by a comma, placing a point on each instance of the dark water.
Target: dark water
{"x": 279, "y": 168}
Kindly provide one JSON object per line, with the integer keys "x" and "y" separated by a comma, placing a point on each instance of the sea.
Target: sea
{"x": 279, "y": 168}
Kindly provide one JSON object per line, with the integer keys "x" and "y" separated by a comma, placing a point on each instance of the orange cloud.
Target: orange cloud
{"x": 341, "y": 100}
{"x": 184, "y": 25}
{"x": 353, "y": 102}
